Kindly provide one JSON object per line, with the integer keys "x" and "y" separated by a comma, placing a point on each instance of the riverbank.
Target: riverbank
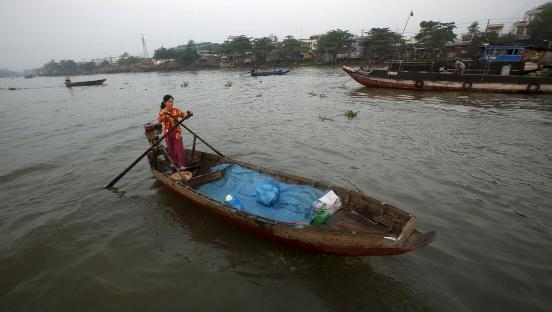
{"x": 172, "y": 67}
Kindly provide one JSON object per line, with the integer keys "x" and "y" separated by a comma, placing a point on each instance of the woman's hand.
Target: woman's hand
{"x": 164, "y": 111}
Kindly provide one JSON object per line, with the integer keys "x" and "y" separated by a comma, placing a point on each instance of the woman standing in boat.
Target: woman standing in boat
{"x": 168, "y": 115}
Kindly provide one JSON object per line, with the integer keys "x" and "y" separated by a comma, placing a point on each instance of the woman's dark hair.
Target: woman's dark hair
{"x": 165, "y": 99}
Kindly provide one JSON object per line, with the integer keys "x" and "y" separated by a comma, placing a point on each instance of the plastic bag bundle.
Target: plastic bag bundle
{"x": 324, "y": 207}
{"x": 267, "y": 193}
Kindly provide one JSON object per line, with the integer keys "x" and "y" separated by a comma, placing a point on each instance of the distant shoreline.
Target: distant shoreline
{"x": 172, "y": 68}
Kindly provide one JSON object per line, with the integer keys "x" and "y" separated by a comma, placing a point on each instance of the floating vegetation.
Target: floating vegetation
{"x": 259, "y": 94}
{"x": 545, "y": 72}
{"x": 228, "y": 84}
{"x": 321, "y": 95}
{"x": 350, "y": 114}
{"x": 184, "y": 84}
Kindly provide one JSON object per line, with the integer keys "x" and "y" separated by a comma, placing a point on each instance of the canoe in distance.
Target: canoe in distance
{"x": 271, "y": 72}
{"x": 85, "y": 83}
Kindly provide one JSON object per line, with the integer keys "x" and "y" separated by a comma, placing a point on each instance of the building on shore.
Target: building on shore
{"x": 519, "y": 28}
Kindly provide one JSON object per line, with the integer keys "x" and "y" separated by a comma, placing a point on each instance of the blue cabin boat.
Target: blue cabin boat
{"x": 502, "y": 53}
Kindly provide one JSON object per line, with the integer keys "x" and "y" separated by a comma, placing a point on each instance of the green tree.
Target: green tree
{"x": 165, "y": 54}
{"x": 379, "y": 41}
{"x": 87, "y": 67}
{"x": 474, "y": 47}
{"x": 333, "y": 40}
{"x": 238, "y": 46}
{"x": 474, "y": 30}
{"x": 68, "y": 67}
{"x": 189, "y": 54}
{"x": 540, "y": 29}
{"x": 262, "y": 47}
{"x": 51, "y": 68}
{"x": 291, "y": 49}
{"x": 435, "y": 34}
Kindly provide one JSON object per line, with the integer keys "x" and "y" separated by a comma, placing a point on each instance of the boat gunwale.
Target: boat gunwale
{"x": 362, "y": 240}
{"x": 352, "y": 244}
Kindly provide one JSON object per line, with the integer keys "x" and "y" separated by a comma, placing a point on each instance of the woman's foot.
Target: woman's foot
{"x": 182, "y": 168}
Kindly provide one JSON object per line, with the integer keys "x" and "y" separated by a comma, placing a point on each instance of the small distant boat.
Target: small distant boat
{"x": 29, "y": 76}
{"x": 68, "y": 83}
{"x": 256, "y": 72}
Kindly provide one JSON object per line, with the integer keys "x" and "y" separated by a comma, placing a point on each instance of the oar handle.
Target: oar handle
{"x": 147, "y": 151}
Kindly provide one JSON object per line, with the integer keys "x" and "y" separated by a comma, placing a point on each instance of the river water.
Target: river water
{"x": 475, "y": 167}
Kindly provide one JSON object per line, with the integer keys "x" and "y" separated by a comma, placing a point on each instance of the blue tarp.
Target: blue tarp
{"x": 294, "y": 202}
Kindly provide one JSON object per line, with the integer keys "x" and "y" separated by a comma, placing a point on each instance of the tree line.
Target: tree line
{"x": 378, "y": 44}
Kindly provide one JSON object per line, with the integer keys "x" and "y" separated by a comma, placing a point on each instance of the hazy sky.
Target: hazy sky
{"x": 32, "y": 32}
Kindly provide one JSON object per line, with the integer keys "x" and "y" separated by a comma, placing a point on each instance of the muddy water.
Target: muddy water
{"x": 475, "y": 167}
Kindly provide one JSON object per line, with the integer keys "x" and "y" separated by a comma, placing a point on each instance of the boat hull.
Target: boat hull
{"x": 450, "y": 82}
{"x": 85, "y": 83}
{"x": 305, "y": 237}
{"x": 269, "y": 73}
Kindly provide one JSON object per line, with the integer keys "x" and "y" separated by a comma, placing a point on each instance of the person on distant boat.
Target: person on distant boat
{"x": 460, "y": 67}
{"x": 175, "y": 145}
{"x": 67, "y": 80}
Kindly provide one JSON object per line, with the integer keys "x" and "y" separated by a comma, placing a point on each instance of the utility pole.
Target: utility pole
{"x": 145, "y": 51}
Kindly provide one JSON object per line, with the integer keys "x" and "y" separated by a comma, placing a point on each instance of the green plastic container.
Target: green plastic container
{"x": 320, "y": 217}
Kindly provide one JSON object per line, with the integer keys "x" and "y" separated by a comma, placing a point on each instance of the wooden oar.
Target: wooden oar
{"x": 212, "y": 148}
{"x": 146, "y": 152}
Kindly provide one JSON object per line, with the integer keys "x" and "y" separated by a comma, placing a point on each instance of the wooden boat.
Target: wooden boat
{"x": 363, "y": 226}
{"x": 68, "y": 83}
{"x": 395, "y": 78}
{"x": 255, "y": 72}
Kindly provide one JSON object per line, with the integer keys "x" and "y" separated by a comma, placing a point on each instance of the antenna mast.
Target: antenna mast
{"x": 145, "y": 51}
{"x": 397, "y": 50}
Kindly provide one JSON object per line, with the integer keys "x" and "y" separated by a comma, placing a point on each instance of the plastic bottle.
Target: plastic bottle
{"x": 233, "y": 201}
{"x": 320, "y": 217}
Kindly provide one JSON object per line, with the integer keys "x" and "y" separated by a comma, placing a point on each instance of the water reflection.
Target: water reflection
{"x": 474, "y": 99}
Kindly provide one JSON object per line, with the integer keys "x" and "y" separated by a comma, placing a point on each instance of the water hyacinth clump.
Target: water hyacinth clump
{"x": 351, "y": 114}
